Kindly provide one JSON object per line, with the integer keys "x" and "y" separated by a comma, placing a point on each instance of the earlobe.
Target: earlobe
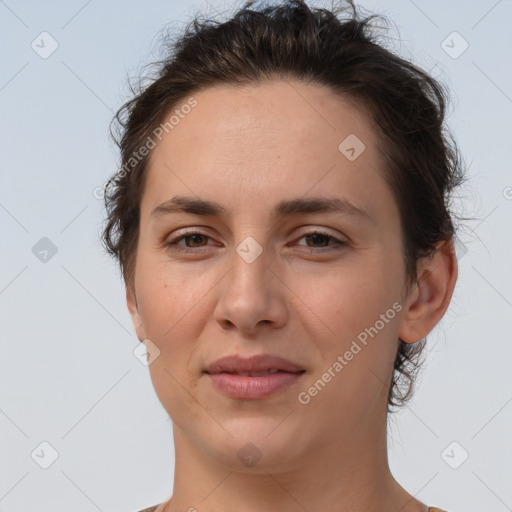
{"x": 429, "y": 300}
{"x": 133, "y": 308}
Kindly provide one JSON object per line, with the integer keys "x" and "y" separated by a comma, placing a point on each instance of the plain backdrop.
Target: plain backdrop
{"x": 68, "y": 376}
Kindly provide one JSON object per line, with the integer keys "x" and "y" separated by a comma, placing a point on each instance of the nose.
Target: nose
{"x": 252, "y": 296}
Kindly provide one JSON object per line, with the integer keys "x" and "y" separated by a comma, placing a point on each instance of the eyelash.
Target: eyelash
{"x": 173, "y": 244}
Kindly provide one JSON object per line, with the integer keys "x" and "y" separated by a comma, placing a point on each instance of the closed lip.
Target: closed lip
{"x": 237, "y": 364}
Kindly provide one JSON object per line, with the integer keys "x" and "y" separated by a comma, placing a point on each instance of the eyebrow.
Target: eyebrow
{"x": 298, "y": 206}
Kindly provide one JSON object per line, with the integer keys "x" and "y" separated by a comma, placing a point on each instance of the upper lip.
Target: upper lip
{"x": 258, "y": 363}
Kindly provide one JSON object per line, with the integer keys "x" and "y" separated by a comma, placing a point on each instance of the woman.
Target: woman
{"x": 281, "y": 223}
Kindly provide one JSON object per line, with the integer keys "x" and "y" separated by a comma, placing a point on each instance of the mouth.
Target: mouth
{"x": 255, "y": 387}
{"x": 259, "y": 374}
{"x": 254, "y": 366}
{"x": 253, "y": 378}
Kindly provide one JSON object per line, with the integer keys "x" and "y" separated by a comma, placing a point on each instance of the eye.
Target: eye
{"x": 321, "y": 241}
{"x": 195, "y": 240}
{"x": 192, "y": 239}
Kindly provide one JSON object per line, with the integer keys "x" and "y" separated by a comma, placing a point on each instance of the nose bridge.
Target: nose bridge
{"x": 249, "y": 295}
{"x": 249, "y": 267}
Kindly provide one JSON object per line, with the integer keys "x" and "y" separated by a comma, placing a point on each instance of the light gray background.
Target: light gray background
{"x": 68, "y": 373}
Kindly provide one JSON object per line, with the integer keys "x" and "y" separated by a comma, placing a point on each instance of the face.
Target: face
{"x": 274, "y": 272}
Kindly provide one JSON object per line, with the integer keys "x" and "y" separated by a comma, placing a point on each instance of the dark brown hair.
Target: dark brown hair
{"x": 294, "y": 41}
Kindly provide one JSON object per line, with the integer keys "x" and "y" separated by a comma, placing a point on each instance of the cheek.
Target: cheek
{"x": 168, "y": 298}
{"x": 359, "y": 312}
{"x": 348, "y": 299}
{"x": 173, "y": 308}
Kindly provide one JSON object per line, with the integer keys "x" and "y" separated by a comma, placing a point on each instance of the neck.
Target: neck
{"x": 344, "y": 473}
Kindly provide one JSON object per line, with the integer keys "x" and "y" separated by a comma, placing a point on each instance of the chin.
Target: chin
{"x": 257, "y": 446}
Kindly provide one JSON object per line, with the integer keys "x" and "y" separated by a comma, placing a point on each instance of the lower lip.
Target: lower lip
{"x": 253, "y": 388}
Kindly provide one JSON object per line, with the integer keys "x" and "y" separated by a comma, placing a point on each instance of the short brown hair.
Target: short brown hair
{"x": 293, "y": 41}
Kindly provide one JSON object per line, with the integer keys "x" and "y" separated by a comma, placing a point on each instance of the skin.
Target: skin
{"x": 248, "y": 148}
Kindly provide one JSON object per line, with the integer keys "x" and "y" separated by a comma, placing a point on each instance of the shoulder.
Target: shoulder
{"x": 153, "y": 508}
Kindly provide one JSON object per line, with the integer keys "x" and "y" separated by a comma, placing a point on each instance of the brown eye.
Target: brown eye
{"x": 318, "y": 238}
{"x": 192, "y": 240}
{"x": 196, "y": 238}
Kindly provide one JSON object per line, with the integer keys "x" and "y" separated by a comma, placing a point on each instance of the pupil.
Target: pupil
{"x": 196, "y": 239}
{"x": 317, "y": 238}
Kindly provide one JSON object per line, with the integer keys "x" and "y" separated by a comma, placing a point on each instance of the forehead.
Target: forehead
{"x": 280, "y": 114}
{"x": 260, "y": 143}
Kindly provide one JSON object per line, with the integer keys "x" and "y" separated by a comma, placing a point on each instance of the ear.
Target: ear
{"x": 430, "y": 298}
{"x": 131, "y": 301}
